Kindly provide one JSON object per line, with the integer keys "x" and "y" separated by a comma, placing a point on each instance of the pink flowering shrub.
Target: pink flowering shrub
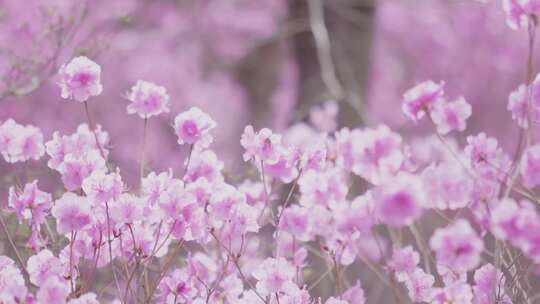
{"x": 320, "y": 214}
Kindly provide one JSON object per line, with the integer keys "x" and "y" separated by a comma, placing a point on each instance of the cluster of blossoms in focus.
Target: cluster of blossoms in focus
{"x": 206, "y": 237}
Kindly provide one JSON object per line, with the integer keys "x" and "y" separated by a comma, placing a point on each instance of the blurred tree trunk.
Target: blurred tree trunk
{"x": 349, "y": 24}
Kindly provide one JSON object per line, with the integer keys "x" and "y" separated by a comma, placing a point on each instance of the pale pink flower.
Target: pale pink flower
{"x": 20, "y": 143}
{"x": 454, "y": 292}
{"x": 193, "y": 127}
{"x": 260, "y": 146}
{"x": 224, "y": 201}
{"x": 75, "y": 170}
{"x": 178, "y": 285}
{"x": 419, "y": 100}
{"x": 54, "y": 290}
{"x": 404, "y": 262}
{"x": 457, "y": 246}
{"x": 31, "y": 204}
{"x": 451, "y": 115}
{"x": 77, "y": 145}
{"x": 324, "y": 117}
{"x": 530, "y": 167}
{"x": 485, "y": 279}
{"x": 285, "y": 168}
{"x": 519, "y": 12}
{"x": 420, "y": 286}
{"x": 148, "y": 99}
{"x": 87, "y": 298}
{"x": 274, "y": 275}
{"x": 127, "y": 209}
{"x": 43, "y": 266}
{"x": 447, "y": 185}
{"x": 295, "y": 220}
{"x": 400, "y": 201}
{"x": 72, "y": 212}
{"x": 325, "y": 188}
{"x": 355, "y": 294}
{"x": 374, "y": 154}
{"x": 204, "y": 164}
{"x": 519, "y": 107}
{"x": 12, "y": 284}
{"x": 80, "y": 79}
{"x": 103, "y": 187}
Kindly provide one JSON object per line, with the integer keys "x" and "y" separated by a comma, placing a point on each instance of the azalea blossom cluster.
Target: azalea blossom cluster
{"x": 203, "y": 236}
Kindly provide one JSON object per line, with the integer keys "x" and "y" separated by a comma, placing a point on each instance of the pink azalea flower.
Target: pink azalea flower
{"x": 43, "y": 266}
{"x": 519, "y": 12}
{"x": 457, "y": 246}
{"x": 530, "y": 167}
{"x": 78, "y": 145}
{"x": 295, "y": 220}
{"x": 147, "y": 99}
{"x": 273, "y": 275}
{"x": 484, "y": 283}
{"x": 103, "y": 187}
{"x": 404, "y": 262}
{"x": 87, "y": 298}
{"x": 324, "y": 117}
{"x": 80, "y": 79}
{"x": 54, "y": 290}
{"x": 177, "y": 285}
{"x": 127, "y": 209}
{"x": 451, "y": 115}
{"x": 400, "y": 201}
{"x": 374, "y": 154}
{"x": 518, "y": 105}
{"x": 193, "y": 127}
{"x": 12, "y": 284}
{"x": 72, "y": 212}
{"x": 31, "y": 205}
{"x": 204, "y": 164}
{"x": 20, "y": 143}
{"x": 75, "y": 170}
{"x": 447, "y": 185}
{"x": 224, "y": 201}
{"x": 455, "y": 292}
{"x": 420, "y": 286}
{"x": 355, "y": 294}
{"x": 325, "y": 188}
{"x": 419, "y": 100}
{"x": 261, "y": 146}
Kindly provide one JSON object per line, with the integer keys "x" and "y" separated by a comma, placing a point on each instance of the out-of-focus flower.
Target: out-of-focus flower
{"x": 31, "y": 204}
{"x": 20, "y": 143}
{"x": 324, "y": 117}
{"x": 72, "y": 212}
{"x": 374, "y": 154}
{"x": 12, "y": 282}
{"x": 80, "y": 79}
{"x": 87, "y": 298}
{"x": 519, "y": 13}
{"x": 43, "y": 266}
{"x": 420, "y": 286}
{"x": 400, "y": 201}
{"x": 419, "y": 100}
{"x": 261, "y": 146}
{"x": 404, "y": 262}
{"x": 274, "y": 275}
{"x": 193, "y": 127}
{"x": 457, "y": 246}
{"x": 530, "y": 167}
{"x": 148, "y": 99}
{"x": 54, "y": 290}
{"x": 485, "y": 278}
{"x": 451, "y": 115}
